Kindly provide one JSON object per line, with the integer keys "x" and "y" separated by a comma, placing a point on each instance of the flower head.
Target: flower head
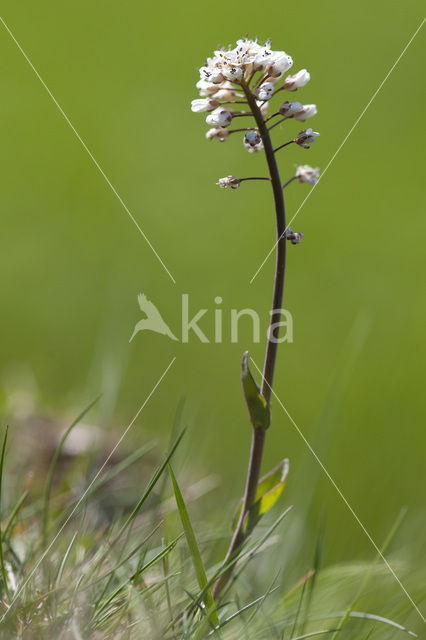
{"x": 229, "y": 181}
{"x": 300, "y": 79}
{"x": 253, "y": 141}
{"x": 308, "y": 174}
{"x": 306, "y": 137}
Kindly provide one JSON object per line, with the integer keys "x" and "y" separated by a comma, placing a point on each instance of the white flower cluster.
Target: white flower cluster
{"x": 247, "y": 57}
{"x": 221, "y": 75}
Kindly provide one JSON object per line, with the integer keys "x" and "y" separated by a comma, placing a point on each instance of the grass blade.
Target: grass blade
{"x": 194, "y": 551}
{"x": 2, "y": 565}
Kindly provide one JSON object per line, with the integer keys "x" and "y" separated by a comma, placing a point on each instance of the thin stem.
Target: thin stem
{"x": 254, "y": 178}
{"x": 288, "y": 182}
{"x": 277, "y": 91}
{"x": 240, "y": 115}
{"x": 258, "y": 435}
{"x": 277, "y": 123}
{"x": 284, "y": 145}
{"x": 238, "y": 130}
{"x": 234, "y": 102}
{"x": 272, "y": 116}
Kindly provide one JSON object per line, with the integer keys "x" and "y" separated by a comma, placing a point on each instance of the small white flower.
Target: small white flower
{"x": 253, "y": 141}
{"x": 218, "y": 132}
{"x": 233, "y": 74}
{"x": 289, "y": 109}
{"x": 229, "y": 181}
{"x": 225, "y": 94}
{"x": 308, "y": 174}
{"x": 203, "y": 104}
{"x": 281, "y": 62}
{"x": 211, "y": 74}
{"x": 307, "y": 111}
{"x": 265, "y": 91}
{"x": 206, "y": 88}
{"x": 262, "y": 58}
{"x": 300, "y": 79}
{"x": 306, "y": 137}
{"x": 220, "y": 117}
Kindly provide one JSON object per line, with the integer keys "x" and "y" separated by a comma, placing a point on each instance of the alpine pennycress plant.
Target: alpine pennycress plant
{"x": 240, "y": 83}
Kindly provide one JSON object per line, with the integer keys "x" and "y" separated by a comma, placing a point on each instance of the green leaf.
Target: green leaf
{"x": 269, "y": 489}
{"x": 2, "y": 562}
{"x": 197, "y": 560}
{"x": 260, "y": 415}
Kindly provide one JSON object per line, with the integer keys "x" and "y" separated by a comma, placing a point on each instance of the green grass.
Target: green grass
{"x": 115, "y": 568}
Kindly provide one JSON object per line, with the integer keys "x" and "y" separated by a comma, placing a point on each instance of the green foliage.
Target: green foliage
{"x": 269, "y": 489}
{"x": 259, "y": 412}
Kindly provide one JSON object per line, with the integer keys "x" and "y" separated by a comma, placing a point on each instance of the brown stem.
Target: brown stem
{"x": 258, "y": 436}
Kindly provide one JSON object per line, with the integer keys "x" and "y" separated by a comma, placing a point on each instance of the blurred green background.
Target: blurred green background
{"x": 72, "y": 262}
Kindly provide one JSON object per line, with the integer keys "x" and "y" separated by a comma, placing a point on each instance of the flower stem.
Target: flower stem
{"x": 258, "y": 435}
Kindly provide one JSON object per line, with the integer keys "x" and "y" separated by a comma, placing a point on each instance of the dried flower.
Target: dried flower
{"x": 293, "y": 236}
{"x": 220, "y": 117}
{"x": 253, "y": 141}
{"x": 306, "y": 137}
{"x": 229, "y": 181}
{"x": 300, "y": 79}
{"x": 307, "y": 111}
{"x": 218, "y": 132}
{"x": 308, "y": 174}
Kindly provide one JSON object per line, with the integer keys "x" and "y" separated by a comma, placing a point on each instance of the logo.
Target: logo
{"x": 153, "y": 321}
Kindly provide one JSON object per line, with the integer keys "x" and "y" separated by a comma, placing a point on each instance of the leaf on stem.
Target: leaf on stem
{"x": 259, "y": 412}
{"x": 269, "y": 489}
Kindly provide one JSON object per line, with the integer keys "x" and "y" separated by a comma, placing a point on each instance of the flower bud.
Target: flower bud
{"x": 220, "y": 117}
{"x": 253, "y": 141}
{"x": 306, "y": 137}
{"x": 281, "y": 62}
{"x": 308, "y": 174}
{"x": 300, "y": 79}
{"x": 265, "y": 91}
{"x": 218, "y": 132}
{"x": 289, "y": 109}
{"x": 307, "y": 111}
{"x": 229, "y": 181}
{"x": 203, "y": 104}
